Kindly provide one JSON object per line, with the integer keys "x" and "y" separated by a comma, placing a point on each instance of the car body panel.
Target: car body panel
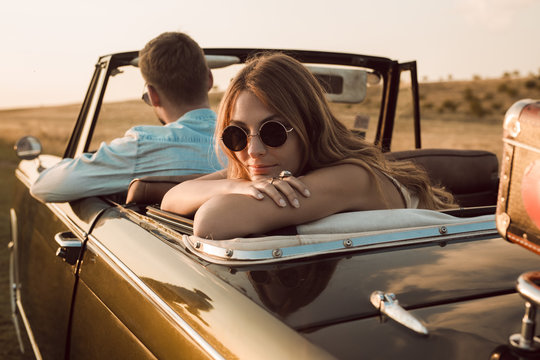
{"x": 419, "y": 276}
{"x": 471, "y": 329}
{"x": 174, "y": 295}
{"x": 136, "y": 290}
{"x": 49, "y": 281}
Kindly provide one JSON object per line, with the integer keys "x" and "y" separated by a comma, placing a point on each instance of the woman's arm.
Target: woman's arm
{"x": 186, "y": 197}
{"x": 333, "y": 189}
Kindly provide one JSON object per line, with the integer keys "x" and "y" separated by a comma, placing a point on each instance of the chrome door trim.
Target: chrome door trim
{"x": 29, "y": 332}
{"x": 58, "y": 212}
{"x": 93, "y": 244}
{"x": 14, "y": 277}
{"x": 217, "y": 253}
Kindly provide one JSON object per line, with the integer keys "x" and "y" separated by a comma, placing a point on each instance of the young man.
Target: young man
{"x": 177, "y": 82}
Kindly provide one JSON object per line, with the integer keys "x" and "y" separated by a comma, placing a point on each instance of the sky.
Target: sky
{"x": 49, "y": 47}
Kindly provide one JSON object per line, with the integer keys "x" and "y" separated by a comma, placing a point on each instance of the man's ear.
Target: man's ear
{"x": 154, "y": 96}
{"x": 210, "y": 80}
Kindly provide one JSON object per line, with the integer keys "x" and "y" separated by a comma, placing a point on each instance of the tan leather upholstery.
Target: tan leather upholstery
{"x": 151, "y": 189}
{"x": 471, "y": 175}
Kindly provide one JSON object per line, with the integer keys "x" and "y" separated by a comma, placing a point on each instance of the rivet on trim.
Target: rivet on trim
{"x": 443, "y": 230}
{"x": 277, "y": 253}
{"x": 347, "y": 243}
{"x": 229, "y": 252}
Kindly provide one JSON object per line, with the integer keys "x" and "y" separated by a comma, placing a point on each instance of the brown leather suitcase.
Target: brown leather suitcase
{"x": 518, "y": 206}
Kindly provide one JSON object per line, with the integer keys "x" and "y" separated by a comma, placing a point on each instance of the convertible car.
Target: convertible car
{"x": 115, "y": 277}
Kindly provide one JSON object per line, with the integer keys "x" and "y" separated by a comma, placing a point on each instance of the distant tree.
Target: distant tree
{"x": 530, "y": 84}
{"x": 427, "y": 105}
{"x": 516, "y": 73}
{"x": 503, "y": 87}
{"x": 449, "y": 105}
{"x": 513, "y": 92}
{"x": 425, "y": 78}
{"x": 468, "y": 94}
{"x": 497, "y": 106}
{"x": 450, "y": 77}
{"x": 477, "y": 77}
{"x": 506, "y": 75}
{"x": 476, "y": 108}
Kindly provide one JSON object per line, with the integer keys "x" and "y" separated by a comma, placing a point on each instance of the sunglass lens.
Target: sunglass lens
{"x": 146, "y": 99}
{"x": 273, "y": 134}
{"x": 234, "y": 138}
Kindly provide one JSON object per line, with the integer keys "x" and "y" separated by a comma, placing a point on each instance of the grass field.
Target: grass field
{"x": 455, "y": 114}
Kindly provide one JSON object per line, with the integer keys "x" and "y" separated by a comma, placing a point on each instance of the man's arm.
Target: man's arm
{"x": 109, "y": 170}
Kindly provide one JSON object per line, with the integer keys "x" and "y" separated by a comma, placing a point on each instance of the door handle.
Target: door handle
{"x": 69, "y": 247}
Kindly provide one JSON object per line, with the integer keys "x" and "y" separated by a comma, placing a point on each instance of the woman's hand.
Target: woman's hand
{"x": 279, "y": 189}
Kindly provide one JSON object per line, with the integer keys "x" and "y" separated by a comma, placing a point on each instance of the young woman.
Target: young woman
{"x": 291, "y": 161}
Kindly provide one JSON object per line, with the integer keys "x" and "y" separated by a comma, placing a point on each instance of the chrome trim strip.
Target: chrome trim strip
{"x": 172, "y": 223}
{"x": 370, "y": 241}
{"x": 93, "y": 242}
{"x": 14, "y": 277}
{"x": 29, "y": 332}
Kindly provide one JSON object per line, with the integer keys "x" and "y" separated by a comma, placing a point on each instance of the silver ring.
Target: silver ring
{"x": 284, "y": 174}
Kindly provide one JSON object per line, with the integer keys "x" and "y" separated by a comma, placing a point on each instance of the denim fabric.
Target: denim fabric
{"x": 183, "y": 147}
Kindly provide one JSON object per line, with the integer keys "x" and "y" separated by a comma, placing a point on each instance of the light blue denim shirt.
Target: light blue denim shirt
{"x": 183, "y": 147}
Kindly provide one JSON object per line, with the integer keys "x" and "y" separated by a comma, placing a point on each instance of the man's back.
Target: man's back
{"x": 180, "y": 148}
{"x": 177, "y": 83}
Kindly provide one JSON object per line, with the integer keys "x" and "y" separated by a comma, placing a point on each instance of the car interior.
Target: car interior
{"x": 470, "y": 175}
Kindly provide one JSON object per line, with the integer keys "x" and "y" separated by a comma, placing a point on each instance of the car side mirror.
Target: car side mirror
{"x": 28, "y": 148}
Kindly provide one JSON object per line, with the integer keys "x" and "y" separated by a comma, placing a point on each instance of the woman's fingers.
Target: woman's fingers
{"x": 287, "y": 190}
{"x": 271, "y": 190}
{"x": 298, "y": 185}
{"x": 282, "y": 191}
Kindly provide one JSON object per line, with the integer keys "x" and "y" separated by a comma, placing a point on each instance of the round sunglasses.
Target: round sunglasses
{"x": 272, "y": 133}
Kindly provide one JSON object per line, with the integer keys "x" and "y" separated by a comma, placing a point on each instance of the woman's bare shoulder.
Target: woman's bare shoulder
{"x": 342, "y": 178}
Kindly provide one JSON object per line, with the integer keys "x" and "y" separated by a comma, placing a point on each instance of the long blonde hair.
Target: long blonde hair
{"x": 286, "y": 87}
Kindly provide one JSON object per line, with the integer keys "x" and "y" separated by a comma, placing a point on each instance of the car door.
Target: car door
{"x": 47, "y": 240}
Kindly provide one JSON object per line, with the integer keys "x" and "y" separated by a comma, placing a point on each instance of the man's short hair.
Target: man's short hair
{"x": 175, "y": 65}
